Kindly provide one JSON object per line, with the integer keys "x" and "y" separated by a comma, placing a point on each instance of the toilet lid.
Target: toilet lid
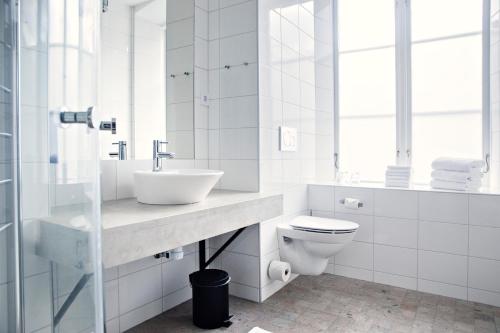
{"x": 322, "y": 224}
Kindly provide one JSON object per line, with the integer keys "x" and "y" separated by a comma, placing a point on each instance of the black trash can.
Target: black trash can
{"x": 210, "y": 298}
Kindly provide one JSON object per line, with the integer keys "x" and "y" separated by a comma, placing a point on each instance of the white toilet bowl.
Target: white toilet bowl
{"x": 308, "y": 242}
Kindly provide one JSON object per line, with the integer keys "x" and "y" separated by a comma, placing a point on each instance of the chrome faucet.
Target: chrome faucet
{"x": 158, "y": 155}
{"x": 122, "y": 150}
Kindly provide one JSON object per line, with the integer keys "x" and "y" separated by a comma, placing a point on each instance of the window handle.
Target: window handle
{"x": 487, "y": 160}
{"x": 336, "y": 160}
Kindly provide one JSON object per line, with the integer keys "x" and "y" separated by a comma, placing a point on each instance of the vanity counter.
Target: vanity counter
{"x": 132, "y": 230}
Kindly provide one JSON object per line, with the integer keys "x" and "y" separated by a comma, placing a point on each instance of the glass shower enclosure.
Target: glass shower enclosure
{"x": 10, "y": 314}
{"x": 50, "y": 229}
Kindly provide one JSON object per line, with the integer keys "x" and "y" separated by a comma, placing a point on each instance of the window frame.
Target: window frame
{"x": 403, "y": 62}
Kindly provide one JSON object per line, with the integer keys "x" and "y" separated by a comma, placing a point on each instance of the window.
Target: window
{"x": 446, "y": 81}
{"x": 411, "y": 92}
{"x": 367, "y": 87}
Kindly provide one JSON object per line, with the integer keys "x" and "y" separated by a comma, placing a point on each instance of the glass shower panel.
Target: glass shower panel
{"x": 60, "y": 167}
{"x": 8, "y": 251}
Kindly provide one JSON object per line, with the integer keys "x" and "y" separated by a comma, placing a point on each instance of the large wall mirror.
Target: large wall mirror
{"x": 147, "y": 76}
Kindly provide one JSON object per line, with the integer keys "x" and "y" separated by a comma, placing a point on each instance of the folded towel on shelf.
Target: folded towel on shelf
{"x": 456, "y": 186}
{"x": 397, "y": 177}
{"x": 457, "y": 164}
{"x": 397, "y": 173}
{"x": 397, "y": 183}
{"x": 457, "y": 176}
{"x": 398, "y": 168}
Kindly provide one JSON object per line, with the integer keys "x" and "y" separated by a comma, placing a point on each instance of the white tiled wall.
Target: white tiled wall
{"x": 242, "y": 261}
{"x": 437, "y": 242}
{"x": 295, "y": 90}
{"x": 247, "y": 260}
{"x": 233, "y": 139}
{"x": 142, "y": 289}
{"x": 201, "y": 88}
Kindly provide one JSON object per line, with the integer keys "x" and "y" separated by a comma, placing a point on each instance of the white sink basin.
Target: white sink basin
{"x": 174, "y": 187}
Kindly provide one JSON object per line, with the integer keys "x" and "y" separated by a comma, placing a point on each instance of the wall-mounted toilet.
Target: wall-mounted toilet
{"x": 307, "y": 242}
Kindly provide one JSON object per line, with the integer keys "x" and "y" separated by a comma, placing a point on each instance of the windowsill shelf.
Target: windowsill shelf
{"x": 413, "y": 187}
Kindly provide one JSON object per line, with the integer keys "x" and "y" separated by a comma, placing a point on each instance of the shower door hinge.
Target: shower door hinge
{"x": 85, "y": 117}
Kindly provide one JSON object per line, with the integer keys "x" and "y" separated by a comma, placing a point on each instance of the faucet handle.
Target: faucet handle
{"x": 157, "y": 144}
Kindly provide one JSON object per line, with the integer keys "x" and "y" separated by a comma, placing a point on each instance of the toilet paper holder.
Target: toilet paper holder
{"x": 342, "y": 201}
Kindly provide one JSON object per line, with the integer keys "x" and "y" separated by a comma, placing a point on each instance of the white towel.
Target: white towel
{"x": 394, "y": 183}
{"x": 406, "y": 178}
{"x": 457, "y": 164}
{"x": 398, "y": 168}
{"x": 397, "y": 173}
{"x": 456, "y": 176}
{"x": 456, "y": 186}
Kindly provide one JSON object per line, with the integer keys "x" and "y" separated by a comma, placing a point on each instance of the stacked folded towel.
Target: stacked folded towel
{"x": 457, "y": 174}
{"x": 397, "y": 176}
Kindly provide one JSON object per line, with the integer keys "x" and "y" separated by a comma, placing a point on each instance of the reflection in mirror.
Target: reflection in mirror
{"x": 149, "y": 79}
{"x": 180, "y": 77}
{"x": 147, "y": 76}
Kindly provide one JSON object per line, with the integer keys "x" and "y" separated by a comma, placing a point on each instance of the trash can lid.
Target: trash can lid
{"x": 209, "y": 278}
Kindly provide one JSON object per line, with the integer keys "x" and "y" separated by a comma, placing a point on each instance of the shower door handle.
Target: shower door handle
{"x": 86, "y": 117}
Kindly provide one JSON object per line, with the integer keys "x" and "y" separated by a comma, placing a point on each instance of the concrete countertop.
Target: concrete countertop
{"x": 132, "y": 230}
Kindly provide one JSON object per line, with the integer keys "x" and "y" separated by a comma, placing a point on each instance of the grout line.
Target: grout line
{"x": 175, "y": 291}
{"x": 180, "y": 47}
{"x": 162, "y": 282}
{"x": 468, "y": 244}
{"x": 142, "y": 306}
{"x": 236, "y": 35}
{"x": 243, "y": 284}
{"x": 373, "y": 235}
{"x": 418, "y": 238}
{"x": 181, "y": 19}
{"x": 119, "y": 312}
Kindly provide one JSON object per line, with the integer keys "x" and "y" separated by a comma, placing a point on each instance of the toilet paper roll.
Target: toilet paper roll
{"x": 279, "y": 270}
{"x": 351, "y": 203}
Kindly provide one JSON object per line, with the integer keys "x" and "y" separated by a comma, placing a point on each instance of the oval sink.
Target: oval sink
{"x": 174, "y": 187}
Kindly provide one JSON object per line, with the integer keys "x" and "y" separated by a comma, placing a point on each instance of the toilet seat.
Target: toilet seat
{"x": 323, "y": 225}
{"x": 308, "y": 242}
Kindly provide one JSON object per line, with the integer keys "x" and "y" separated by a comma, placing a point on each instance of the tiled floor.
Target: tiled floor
{"x": 329, "y": 303}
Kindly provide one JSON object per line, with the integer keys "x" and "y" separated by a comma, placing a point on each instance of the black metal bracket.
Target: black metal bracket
{"x": 201, "y": 248}
{"x": 71, "y": 298}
